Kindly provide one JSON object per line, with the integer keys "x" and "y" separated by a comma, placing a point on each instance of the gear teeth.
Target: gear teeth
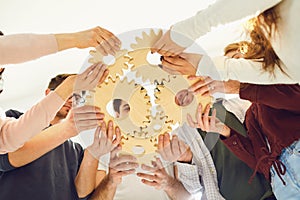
{"x": 116, "y": 69}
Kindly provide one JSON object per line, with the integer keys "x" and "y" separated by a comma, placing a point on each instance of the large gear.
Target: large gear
{"x": 166, "y": 93}
{"x": 140, "y": 128}
{"x": 121, "y": 62}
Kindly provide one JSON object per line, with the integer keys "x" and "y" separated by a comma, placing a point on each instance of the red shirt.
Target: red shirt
{"x": 274, "y": 116}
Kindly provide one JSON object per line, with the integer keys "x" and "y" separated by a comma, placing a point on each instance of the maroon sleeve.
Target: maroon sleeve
{"x": 278, "y": 96}
{"x": 241, "y": 146}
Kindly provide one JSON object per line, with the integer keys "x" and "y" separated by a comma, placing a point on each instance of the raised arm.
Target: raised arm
{"x": 50, "y": 138}
{"x": 24, "y": 47}
{"x": 14, "y": 133}
{"x": 85, "y": 180}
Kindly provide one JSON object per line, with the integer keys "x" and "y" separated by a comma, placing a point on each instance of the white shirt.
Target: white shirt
{"x": 132, "y": 187}
{"x": 224, "y": 11}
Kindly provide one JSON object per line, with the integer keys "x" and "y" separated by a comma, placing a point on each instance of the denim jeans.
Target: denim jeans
{"x": 290, "y": 157}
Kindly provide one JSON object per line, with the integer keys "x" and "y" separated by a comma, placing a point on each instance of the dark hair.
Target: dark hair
{"x": 57, "y": 80}
{"x": 117, "y": 104}
{"x": 1, "y": 33}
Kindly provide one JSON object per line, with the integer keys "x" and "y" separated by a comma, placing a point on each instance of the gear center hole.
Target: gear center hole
{"x": 109, "y": 60}
{"x": 153, "y": 58}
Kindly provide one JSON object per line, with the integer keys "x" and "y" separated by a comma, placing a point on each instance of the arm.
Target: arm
{"x": 40, "y": 115}
{"x": 85, "y": 180}
{"x": 221, "y": 12}
{"x": 244, "y": 70}
{"x": 52, "y": 137}
{"x": 160, "y": 179}
{"x": 241, "y": 146}
{"x": 24, "y": 47}
{"x": 119, "y": 166}
{"x": 289, "y": 95}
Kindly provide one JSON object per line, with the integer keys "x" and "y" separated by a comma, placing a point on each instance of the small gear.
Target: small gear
{"x": 139, "y": 60}
{"x": 116, "y": 69}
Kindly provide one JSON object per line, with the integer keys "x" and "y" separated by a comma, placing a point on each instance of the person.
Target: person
{"x": 121, "y": 108}
{"x": 272, "y": 143}
{"x": 184, "y": 97}
{"x": 24, "y": 47}
{"x": 119, "y": 181}
{"x": 275, "y": 27}
{"x": 52, "y": 165}
{"x": 223, "y": 162}
{"x": 14, "y": 133}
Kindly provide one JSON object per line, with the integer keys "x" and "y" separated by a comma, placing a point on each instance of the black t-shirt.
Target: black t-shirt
{"x": 51, "y": 177}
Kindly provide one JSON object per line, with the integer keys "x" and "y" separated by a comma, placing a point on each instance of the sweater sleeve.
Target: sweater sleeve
{"x": 24, "y": 47}
{"x": 244, "y": 70}
{"x": 221, "y": 12}
{"x": 277, "y": 96}
{"x": 15, "y": 132}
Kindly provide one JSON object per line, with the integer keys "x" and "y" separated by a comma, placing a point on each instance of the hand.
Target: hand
{"x": 91, "y": 77}
{"x": 184, "y": 63}
{"x": 208, "y": 123}
{"x": 166, "y": 47}
{"x": 82, "y": 118}
{"x": 173, "y": 150}
{"x": 105, "y": 41}
{"x": 158, "y": 178}
{"x": 207, "y": 86}
{"x": 120, "y": 166}
{"x": 105, "y": 143}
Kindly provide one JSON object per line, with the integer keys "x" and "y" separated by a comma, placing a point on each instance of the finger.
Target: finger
{"x": 101, "y": 49}
{"x": 125, "y": 173}
{"x": 206, "y": 118}
{"x": 103, "y": 77}
{"x": 112, "y": 41}
{"x": 96, "y": 135}
{"x": 199, "y": 117}
{"x": 159, "y": 163}
{"x": 85, "y": 117}
{"x": 110, "y": 131}
{"x": 148, "y": 168}
{"x": 124, "y": 166}
{"x": 213, "y": 118}
{"x": 118, "y": 138}
{"x": 114, "y": 152}
{"x": 191, "y": 121}
{"x": 150, "y": 183}
{"x": 96, "y": 74}
{"x": 148, "y": 177}
{"x": 86, "y": 72}
{"x": 103, "y": 129}
{"x": 166, "y": 141}
{"x": 175, "y": 146}
{"x": 160, "y": 142}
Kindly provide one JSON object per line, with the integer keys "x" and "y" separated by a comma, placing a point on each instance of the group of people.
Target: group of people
{"x": 233, "y": 149}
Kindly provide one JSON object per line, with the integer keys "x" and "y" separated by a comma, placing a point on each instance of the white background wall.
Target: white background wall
{"x": 25, "y": 83}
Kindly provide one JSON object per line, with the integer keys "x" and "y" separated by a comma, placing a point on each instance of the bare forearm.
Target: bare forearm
{"x": 85, "y": 181}
{"x": 105, "y": 191}
{"x": 65, "y": 41}
{"x": 39, "y": 145}
{"x": 176, "y": 191}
